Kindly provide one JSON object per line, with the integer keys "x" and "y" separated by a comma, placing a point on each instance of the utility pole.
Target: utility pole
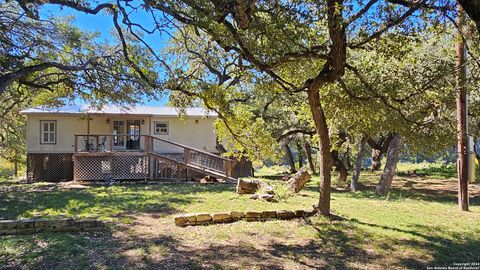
{"x": 461, "y": 101}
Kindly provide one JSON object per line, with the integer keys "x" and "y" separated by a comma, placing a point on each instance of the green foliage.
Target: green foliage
{"x": 406, "y": 86}
{"x": 72, "y": 65}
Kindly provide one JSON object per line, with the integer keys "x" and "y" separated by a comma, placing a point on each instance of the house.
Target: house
{"x": 115, "y": 143}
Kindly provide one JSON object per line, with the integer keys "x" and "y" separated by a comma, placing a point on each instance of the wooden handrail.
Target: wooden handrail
{"x": 163, "y": 140}
{"x": 188, "y": 147}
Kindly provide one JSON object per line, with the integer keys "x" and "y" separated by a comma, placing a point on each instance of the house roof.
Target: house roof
{"x": 134, "y": 110}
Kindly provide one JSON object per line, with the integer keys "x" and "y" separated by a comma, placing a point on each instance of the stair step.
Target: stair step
{"x": 196, "y": 167}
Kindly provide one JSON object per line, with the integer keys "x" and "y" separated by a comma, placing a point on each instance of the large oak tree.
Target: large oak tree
{"x": 268, "y": 37}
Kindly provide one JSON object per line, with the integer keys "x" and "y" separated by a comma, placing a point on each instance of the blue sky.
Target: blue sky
{"x": 102, "y": 23}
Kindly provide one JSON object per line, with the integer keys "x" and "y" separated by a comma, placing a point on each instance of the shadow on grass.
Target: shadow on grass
{"x": 103, "y": 201}
{"x": 447, "y": 171}
{"x": 333, "y": 250}
{"x": 408, "y": 190}
{"x": 104, "y": 250}
{"x": 446, "y": 247}
{"x": 275, "y": 177}
{"x": 344, "y": 244}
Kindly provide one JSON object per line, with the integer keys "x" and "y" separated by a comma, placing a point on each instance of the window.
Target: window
{"x": 161, "y": 128}
{"x": 48, "y": 132}
{"x": 118, "y": 129}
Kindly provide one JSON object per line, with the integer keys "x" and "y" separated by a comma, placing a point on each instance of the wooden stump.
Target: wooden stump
{"x": 298, "y": 181}
{"x": 250, "y": 186}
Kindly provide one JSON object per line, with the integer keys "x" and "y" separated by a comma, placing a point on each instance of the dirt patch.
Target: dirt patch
{"x": 440, "y": 186}
{"x": 154, "y": 242}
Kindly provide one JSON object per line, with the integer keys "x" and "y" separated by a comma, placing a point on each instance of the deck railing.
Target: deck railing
{"x": 183, "y": 154}
{"x": 108, "y": 142}
{"x": 189, "y": 155}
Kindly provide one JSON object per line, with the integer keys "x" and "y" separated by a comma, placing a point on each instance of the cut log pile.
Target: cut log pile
{"x": 265, "y": 191}
{"x": 208, "y": 179}
{"x": 252, "y": 186}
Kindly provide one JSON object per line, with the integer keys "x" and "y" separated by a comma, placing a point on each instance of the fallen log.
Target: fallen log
{"x": 298, "y": 180}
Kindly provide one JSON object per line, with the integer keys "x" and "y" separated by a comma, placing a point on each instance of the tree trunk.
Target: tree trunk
{"x": 340, "y": 168}
{"x": 345, "y": 157}
{"x": 379, "y": 148}
{"x": 333, "y": 69}
{"x": 298, "y": 181}
{"x": 461, "y": 101}
{"x": 289, "y": 157}
{"x": 376, "y": 159}
{"x": 358, "y": 165}
{"x": 342, "y": 174}
{"x": 300, "y": 156}
{"x": 324, "y": 155}
{"x": 389, "y": 171}
{"x": 308, "y": 153}
{"x": 15, "y": 168}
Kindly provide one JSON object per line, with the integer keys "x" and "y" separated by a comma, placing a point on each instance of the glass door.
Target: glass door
{"x": 119, "y": 129}
{"x": 133, "y": 134}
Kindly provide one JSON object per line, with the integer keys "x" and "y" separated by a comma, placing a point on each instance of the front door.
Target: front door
{"x": 133, "y": 134}
{"x": 126, "y": 134}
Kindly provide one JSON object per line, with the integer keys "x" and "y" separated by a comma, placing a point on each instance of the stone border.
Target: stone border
{"x": 233, "y": 216}
{"x": 50, "y": 225}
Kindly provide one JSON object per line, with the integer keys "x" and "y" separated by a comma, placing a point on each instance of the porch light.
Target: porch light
{"x": 108, "y": 121}
{"x": 143, "y": 121}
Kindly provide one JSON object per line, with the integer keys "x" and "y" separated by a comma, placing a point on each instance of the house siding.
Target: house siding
{"x": 187, "y": 131}
{"x": 66, "y": 126}
{"x": 55, "y": 162}
{"x": 199, "y": 135}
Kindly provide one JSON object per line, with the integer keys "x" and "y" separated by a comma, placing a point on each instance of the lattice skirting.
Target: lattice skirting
{"x": 167, "y": 170}
{"x": 52, "y": 167}
{"x": 242, "y": 168}
{"x": 129, "y": 167}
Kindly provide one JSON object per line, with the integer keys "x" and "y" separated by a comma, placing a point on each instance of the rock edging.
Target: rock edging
{"x": 50, "y": 225}
{"x": 233, "y": 216}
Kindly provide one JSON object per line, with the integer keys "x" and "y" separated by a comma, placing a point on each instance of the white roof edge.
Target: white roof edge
{"x": 116, "y": 110}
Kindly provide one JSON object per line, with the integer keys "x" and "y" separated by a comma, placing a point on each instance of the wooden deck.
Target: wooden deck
{"x": 98, "y": 157}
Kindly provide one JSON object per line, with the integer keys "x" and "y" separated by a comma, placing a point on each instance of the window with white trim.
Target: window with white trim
{"x": 48, "y": 132}
{"x": 161, "y": 128}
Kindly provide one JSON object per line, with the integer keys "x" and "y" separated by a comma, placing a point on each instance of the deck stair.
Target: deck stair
{"x": 162, "y": 159}
{"x": 185, "y": 157}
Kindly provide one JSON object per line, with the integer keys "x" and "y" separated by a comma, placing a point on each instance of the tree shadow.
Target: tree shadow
{"x": 281, "y": 177}
{"x": 441, "y": 191}
{"x": 445, "y": 246}
{"x": 339, "y": 244}
{"x": 334, "y": 245}
{"x": 103, "y": 201}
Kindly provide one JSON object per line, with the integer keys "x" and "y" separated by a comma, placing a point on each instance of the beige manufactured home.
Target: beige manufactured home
{"x": 115, "y": 143}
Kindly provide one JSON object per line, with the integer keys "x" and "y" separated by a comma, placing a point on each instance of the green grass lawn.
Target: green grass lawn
{"x": 418, "y": 225}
